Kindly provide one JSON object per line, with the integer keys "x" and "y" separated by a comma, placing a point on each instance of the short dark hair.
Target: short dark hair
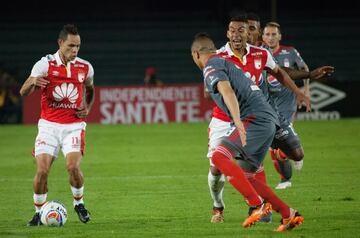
{"x": 203, "y": 43}
{"x": 241, "y": 17}
{"x": 253, "y": 17}
{"x": 68, "y": 29}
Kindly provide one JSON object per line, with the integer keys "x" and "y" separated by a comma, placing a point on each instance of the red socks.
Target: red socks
{"x": 266, "y": 193}
{"x": 222, "y": 160}
{"x": 276, "y": 163}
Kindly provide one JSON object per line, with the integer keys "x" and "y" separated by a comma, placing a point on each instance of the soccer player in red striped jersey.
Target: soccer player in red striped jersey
{"x": 67, "y": 94}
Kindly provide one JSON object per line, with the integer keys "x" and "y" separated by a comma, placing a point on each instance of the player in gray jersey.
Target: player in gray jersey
{"x": 282, "y": 165}
{"x": 254, "y": 126}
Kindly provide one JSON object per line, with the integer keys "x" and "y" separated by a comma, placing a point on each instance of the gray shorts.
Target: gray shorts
{"x": 286, "y": 139}
{"x": 259, "y": 135}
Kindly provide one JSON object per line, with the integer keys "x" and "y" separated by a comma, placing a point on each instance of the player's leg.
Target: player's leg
{"x": 275, "y": 161}
{"x": 76, "y": 180}
{"x": 288, "y": 147}
{"x": 216, "y": 180}
{"x": 223, "y": 160}
{"x": 259, "y": 138}
{"x": 73, "y": 149}
{"x": 45, "y": 151}
{"x": 43, "y": 164}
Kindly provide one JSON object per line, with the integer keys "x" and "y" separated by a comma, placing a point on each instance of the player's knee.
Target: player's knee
{"x": 42, "y": 173}
{"x": 298, "y": 154}
{"x": 215, "y": 171}
{"x": 215, "y": 159}
{"x": 73, "y": 169}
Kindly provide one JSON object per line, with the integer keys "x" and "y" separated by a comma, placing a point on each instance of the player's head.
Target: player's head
{"x": 254, "y": 28}
{"x": 272, "y": 34}
{"x": 238, "y": 32}
{"x": 69, "y": 42}
{"x": 201, "y": 48}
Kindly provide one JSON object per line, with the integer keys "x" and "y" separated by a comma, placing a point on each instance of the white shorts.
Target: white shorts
{"x": 216, "y": 130}
{"x": 53, "y": 136}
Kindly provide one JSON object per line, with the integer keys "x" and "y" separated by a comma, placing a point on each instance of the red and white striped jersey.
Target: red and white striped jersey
{"x": 253, "y": 63}
{"x": 63, "y": 96}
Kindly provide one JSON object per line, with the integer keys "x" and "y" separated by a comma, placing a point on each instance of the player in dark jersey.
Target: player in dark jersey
{"x": 254, "y": 126}
{"x": 283, "y": 98}
{"x": 220, "y": 124}
{"x": 252, "y": 61}
{"x": 283, "y": 166}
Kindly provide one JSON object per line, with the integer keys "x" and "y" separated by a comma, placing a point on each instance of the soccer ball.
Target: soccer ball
{"x": 53, "y": 213}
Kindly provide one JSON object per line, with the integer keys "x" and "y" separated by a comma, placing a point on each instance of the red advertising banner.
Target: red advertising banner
{"x": 138, "y": 104}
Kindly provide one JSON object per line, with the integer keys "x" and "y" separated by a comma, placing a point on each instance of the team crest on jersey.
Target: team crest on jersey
{"x": 81, "y": 76}
{"x": 257, "y": 63}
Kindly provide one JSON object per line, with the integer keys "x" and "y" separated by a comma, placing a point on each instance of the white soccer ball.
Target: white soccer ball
{"x": 53, "y": 213}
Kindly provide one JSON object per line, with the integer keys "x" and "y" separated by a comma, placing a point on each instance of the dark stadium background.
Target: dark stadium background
{"x": 122, "y": 38}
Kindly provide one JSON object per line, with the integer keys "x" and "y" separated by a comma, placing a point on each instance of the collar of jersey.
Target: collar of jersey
{"x": 59, "y": 61}
{"x": 231, "y": 53}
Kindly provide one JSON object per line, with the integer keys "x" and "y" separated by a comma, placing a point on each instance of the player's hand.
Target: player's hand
{"x": 298, "y": 165}
{"x": 321, "y": 72}
{"x": 82, "y": 112}
{"x": 303, "y": 100}
{"x": 40, "y": 82}
{"x": 242, "y": 133}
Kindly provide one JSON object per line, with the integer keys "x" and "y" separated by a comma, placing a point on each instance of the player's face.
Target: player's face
{"x": 69, "y": 48}
{"x": 237, "y": 35}
{"x": 254, "y": 31}
{"x": 271, "y": 36}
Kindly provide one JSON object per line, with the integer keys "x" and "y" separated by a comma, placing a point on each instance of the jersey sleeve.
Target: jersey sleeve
{"x": 90, "y": 75}
{"x": 270, "y": 61}
{"x": 298, "y": 59}
{"x": 213, "y": 73}
{"x": 40, "y": 69}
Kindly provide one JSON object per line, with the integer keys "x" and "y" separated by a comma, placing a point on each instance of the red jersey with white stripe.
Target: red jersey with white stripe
{"x": 252, "y": 64}
{"x": 63, "y": 96}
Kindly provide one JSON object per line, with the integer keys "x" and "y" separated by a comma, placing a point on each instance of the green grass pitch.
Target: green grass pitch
{"x": 151, "y": 181}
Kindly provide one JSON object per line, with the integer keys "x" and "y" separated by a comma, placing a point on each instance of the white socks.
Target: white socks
{"x": 78, "y": 194}
{"x": 216, "y": 186}
{"x": 39, "y": 200}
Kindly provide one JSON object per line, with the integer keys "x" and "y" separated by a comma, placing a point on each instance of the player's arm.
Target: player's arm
{"x": 296, "y": 74}
{"x": 232, "y": 104}
{"x": 306, "y": 82}
{"x": 207, "y": 95}
{"x": 89, "y": 95}
{"x": 31, "y": 84}
{"x": 36, "y": 79}
{"x": 302, "y": 65}
{"x": 89, "y": 99}
{"x": 285, "y": 80}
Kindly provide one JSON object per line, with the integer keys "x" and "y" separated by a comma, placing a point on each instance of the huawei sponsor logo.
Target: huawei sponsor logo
{"x": 62, "y": 92}
{"x": 66, "y": 91}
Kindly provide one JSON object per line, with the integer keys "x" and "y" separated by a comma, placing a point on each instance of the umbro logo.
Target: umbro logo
{"x": 322, "y": 95}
